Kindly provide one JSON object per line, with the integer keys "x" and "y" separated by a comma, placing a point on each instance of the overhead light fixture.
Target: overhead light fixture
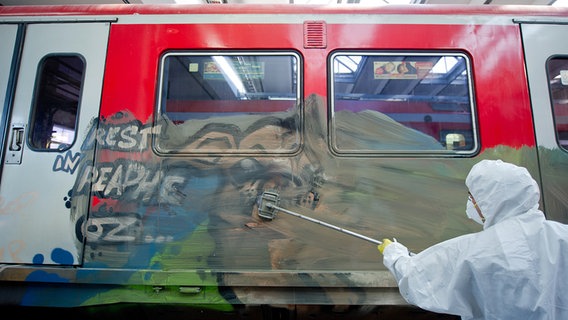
{"x": 231, "y": 75}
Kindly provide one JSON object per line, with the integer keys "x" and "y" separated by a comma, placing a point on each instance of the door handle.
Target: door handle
{"x": 17, "y": 138}
{"x": 16, "y": 147}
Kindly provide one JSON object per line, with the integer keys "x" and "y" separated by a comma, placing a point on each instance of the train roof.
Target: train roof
{"x": 147, "y": 9}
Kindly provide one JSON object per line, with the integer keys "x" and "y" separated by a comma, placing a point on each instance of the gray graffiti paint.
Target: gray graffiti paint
{"x": 145, "y": 203}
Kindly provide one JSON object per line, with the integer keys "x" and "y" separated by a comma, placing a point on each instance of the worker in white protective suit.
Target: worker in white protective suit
{"x": 516, "y": 268}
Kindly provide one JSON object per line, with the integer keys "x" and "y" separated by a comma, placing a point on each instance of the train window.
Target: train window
{"x": 402, "y": 104}
{"x": 57, "y": 96}
{"x": 241, "y": 103}
{"x": 558, "y": 82}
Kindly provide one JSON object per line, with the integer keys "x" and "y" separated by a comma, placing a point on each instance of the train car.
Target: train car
{"x": 150, "y": 152}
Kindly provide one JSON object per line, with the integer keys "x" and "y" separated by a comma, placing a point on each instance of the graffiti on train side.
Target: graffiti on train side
{"x": 67, "y": 163}
{"x": 57, "y": 255}
{"x": 16, "y": 206}
{"x": 124, "y": 179}
{"x": 113, "y": 227}
{"x": 140, "y": 198}
{"x": 127, "y": 136}
{"x": 141, "y": 206}
{"x": 13, "y": 250}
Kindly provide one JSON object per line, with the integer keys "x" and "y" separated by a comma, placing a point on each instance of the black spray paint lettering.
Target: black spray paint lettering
{"x": 67, "y": 163}
{"x": 131, "y": 136}
{"x": 130, "y": 181}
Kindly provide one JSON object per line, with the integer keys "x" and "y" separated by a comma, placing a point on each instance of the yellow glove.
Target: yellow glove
{"x": 382, "y": 246}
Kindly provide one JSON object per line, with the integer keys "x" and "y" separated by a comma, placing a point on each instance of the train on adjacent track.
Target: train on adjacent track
{"x": 139, "y": 140}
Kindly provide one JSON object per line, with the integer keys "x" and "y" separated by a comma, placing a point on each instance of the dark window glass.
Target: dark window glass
{"x": 230, "y": 103}
{"x": 56, "y": 103}
{"x": 402, "y": 103}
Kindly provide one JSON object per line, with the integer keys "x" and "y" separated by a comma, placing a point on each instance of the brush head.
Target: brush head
{"x": 267, "y": 203}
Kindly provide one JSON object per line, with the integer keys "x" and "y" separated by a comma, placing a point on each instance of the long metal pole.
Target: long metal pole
{"x": 360, "y": 236}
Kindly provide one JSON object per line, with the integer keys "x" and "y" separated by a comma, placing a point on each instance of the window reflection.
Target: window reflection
{"x": 230, "y": 104}
{"x": 56, "y": 102}
{"x": 402, "y": 103}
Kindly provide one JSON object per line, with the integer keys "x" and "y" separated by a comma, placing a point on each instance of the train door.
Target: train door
{"x": 57, "y": 95}
{"x": 9, "y": 35}
{"x": 546, "y": 54}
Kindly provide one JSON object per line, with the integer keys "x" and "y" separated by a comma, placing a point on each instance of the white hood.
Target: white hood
{"x": 502, "y": 190}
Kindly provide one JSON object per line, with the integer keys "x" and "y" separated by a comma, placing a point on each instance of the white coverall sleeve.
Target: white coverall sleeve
{"x": 432, "y": 279}
{"x": 393, "y": 253}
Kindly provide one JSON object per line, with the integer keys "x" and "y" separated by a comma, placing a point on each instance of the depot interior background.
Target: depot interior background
{"x": 299, "y": 2}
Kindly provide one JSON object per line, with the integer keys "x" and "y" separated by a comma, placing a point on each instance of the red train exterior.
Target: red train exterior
{"x": 161, "y": 186}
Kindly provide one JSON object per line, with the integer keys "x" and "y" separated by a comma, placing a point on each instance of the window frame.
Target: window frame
{"x": 299, "y": 105}
{"x": 550, "y": 95}
{"x": 36, "y": 96}
{"x": 398, "y": 153}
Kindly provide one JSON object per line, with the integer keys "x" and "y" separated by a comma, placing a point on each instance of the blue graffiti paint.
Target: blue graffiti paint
{"x": 170, "y": 222}
{"x": 43, "y": 276}
{"x": 61, "y": 256}
{"x": 35, "y": 295}
{"x": 38, "y": 259}
{"x": 58, "y": 255}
